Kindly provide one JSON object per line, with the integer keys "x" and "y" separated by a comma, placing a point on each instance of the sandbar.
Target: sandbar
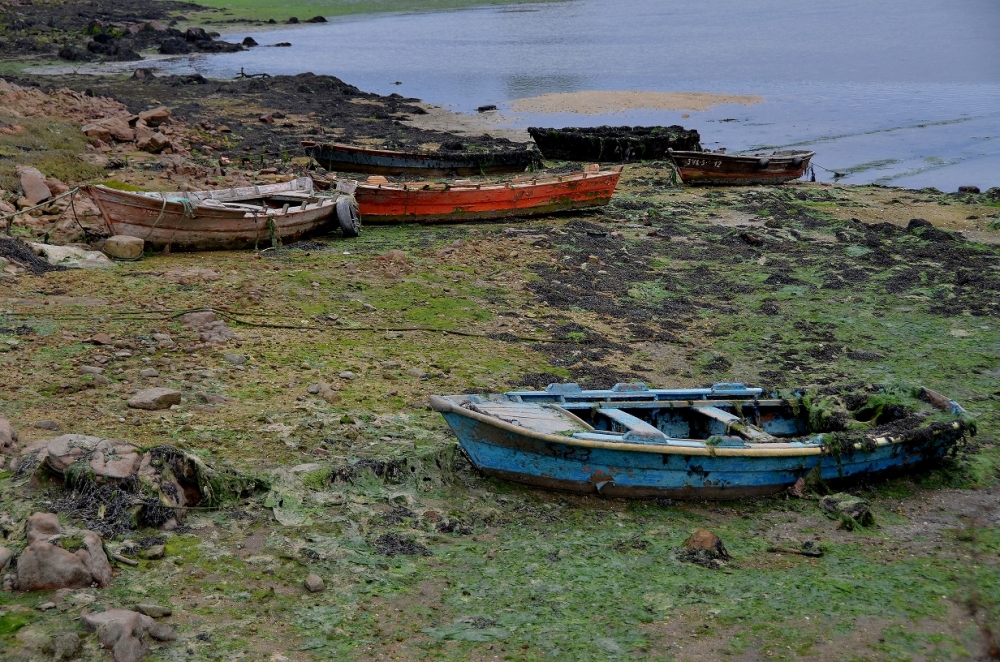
{"x": 604, "y": 102}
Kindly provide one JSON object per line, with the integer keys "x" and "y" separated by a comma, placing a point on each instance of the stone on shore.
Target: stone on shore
{"x": 124, "y": 632}
{"x": 8, "y": 436}
{"x": 156, "y": 116}
{"x": 43, "y": 566}
{"x": 155, "y": 398}
{"x": 42, "y": 526}
{"x": 153, "y": 611}
{"x": 314, "y": 583}
{"x": 33, "y": 184}
{"x": 5, "y": 556}
{"x": 124, "y": 247}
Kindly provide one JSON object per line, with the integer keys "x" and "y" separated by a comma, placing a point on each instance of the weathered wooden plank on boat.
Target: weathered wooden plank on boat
{"x": 714, "y": 168}
{"x": 381, "y": 203}
{"x": 697, "y": 443}
{"x": 244, "y": 217}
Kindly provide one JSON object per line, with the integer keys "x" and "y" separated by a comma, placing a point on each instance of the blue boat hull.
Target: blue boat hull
{"x": 643, "y": 472}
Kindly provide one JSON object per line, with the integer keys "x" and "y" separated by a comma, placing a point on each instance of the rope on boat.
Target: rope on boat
{"x": 838, "y": 175}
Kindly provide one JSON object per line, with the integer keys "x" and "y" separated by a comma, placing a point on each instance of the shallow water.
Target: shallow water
{"x": 897, "y": 92}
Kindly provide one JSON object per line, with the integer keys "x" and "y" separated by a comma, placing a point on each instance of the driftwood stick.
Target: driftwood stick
{"x": 812, "y": 553}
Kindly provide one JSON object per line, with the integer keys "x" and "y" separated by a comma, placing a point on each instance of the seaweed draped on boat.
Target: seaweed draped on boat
{"x": 618, "y": 144}
{"x": 723, "y": 441}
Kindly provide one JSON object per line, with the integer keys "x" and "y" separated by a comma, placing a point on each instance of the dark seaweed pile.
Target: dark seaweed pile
{"x": 21, "y": 254}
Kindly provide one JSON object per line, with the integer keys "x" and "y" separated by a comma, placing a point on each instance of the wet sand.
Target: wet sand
{"x": 601, "y": 102}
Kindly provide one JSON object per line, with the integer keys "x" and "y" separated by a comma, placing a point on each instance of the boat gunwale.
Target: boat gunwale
{"x": 444, "y": 404}
{"x": 552, "y": 180}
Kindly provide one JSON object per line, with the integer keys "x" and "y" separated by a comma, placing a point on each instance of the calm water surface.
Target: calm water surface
{"x": 899, "y": 92}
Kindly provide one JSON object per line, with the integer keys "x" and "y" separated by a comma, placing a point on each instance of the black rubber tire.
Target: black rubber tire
{"x": 797, "y": 161}
{"x": 347, "y": 216}
{"x": 763, "y": 163}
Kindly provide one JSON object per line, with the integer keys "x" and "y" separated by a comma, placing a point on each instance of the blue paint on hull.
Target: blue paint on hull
{"x": 615, "y": 472}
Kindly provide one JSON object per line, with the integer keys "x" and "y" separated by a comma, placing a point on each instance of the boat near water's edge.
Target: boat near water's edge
{"x": 613, "y": 144}
{"x": 722, "y": 442}
{"x": 224, "y": 219}
{"x": 380, "y": 202}
{"x": 339, "y": 157}
{"x": 718, "y": 169}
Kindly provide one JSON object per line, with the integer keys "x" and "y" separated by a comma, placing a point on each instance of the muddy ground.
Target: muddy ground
{"x": 804, "y": 285}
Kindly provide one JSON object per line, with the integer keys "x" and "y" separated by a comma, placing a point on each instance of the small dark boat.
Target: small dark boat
{"x": 224, "y": 219}
{"x": 339, "y": 157}
{"x": 462, "y": 201}
{"x": 613, "y": 144}
{"x": 716, "y": 168}
{"x": 725, "y": 441}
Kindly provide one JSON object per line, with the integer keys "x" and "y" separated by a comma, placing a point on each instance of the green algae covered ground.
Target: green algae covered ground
{"x": 424, "y": 559}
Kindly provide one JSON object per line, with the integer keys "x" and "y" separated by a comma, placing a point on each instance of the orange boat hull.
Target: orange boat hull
{"x": 439, "y": 203}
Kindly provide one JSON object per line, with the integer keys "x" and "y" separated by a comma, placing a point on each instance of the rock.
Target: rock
{"x": 153, "y": 611}
{"x": 154, "y": 144}
{"x": 313, "y": 389}
{"x": 8, "y": 436}
{"x": 119, "y": 129}
{"x": 292, "y": 21}
{"x": 33, "y": 184}
{"x": 154, "y": 553}
{"x": 45, "y": 606}
{"x": 235, "y": 359}
{"x": 851, "y": 511}
{"x": 5, "y": 556}
{"x": 94, "y": 559}
{"x": 124, "y": 632}
{"x": 155, "y": 398}
{"x": 71, "y": 256}
{"x": 42, "y": 526}
{"x": 91, "y": 370}
{"x": 97, "y": 132}
{"x": 705, "y": 539}
{"x": 65, "y": 645}
{"x": 100, "y": 339}
{"x": 124, "y": 247}
{"x": 968, "y": 189}
{"x": 57, "y": 187}
{"x": 317, "y": 19}
{"x": 250, "y": 41}
{"x": 149, "y": 373}
{"x": 156, "y": 116}
{"x": 46, "y": 424}
{"x": 314, "y": 583}
{"x": 67, "y": 449}
{"x": 199, "y": 319}
{"x": 348, "y": 375}
{"x": 416, "y": 372}
{"x": 704, "y": 548}
{"x": 143, "y": 73}
{"x": 197, "y": 34}
{"x": 43, "y": 566}
{"x": 114, "y": 459}
{"x": 267, "y": 119}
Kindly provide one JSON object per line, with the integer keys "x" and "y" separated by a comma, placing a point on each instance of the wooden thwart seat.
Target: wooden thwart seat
{"x": 636, "y": 426}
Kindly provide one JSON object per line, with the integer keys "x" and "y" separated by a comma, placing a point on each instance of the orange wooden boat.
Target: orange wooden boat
{"x": 425, "y": 202}
{"x": 222, "y": 219}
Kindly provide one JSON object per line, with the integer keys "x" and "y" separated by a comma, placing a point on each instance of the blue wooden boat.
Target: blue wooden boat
{"x": 721, "y": 442}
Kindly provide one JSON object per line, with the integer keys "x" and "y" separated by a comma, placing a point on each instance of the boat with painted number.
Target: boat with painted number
{"x": 719, "y": 168}
{"x": 221, "y": 219}
{"x": 340, "y": 157}
{"x": 429, "y": 202}
{"x": 721, "y": 442}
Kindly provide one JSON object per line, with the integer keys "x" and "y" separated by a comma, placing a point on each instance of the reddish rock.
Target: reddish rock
{"x": 42, "y": 526}
{"x": 67, "y": 449}
{"x": 57, "y": 187}
{"x": 43, "y": 566}
{"x": 156, "y": 116}
{"x": 97, "y": 132}
{"x": 95, "y": 559}
{"x": 101, "y": 339}
{"x": 33, "y": 185}
{"x": 154, "y": 144}
{"x": 5, "y": 556}
{"x": 705, "y": 539}
{"x": 155, "y": 398}
{"x": 114, "y": 459}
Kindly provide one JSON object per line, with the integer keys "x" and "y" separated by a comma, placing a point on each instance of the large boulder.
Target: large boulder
{"x": 33, "y": 184}
{"x": 156, "y": 116}
{"x": 67, "y": 449}
{"x": 155, "y": 398}
{"x": 124, "y": 632}
{"x": 43, "y": 566}
{"x": 94, "y": 559}
{"x": 114, "y": 459}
